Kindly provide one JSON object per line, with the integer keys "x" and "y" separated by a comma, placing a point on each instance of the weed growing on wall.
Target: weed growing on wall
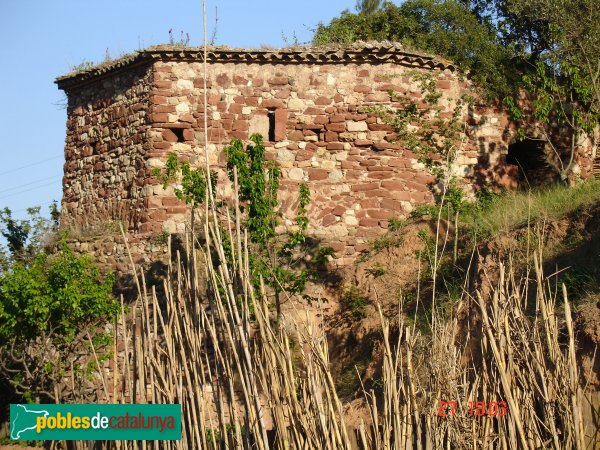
{"x": 287, "y": 263}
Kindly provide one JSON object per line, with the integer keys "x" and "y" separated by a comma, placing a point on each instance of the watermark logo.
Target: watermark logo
{"x": 95, "y": 422}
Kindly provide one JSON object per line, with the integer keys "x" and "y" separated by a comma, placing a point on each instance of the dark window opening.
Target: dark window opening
{"x": 271, "y": 115}
{"x": 179, "y": 133}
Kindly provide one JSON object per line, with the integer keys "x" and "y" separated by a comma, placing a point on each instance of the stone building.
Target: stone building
{"x": 125, "y": 116}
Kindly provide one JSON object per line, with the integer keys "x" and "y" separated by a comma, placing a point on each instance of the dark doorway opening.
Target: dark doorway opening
{"x": 531, "y": 158}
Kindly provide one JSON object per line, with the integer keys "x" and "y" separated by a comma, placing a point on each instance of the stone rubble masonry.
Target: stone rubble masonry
{"x": 124, "y": 120}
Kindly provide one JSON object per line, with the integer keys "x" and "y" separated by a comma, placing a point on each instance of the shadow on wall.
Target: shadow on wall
{"x": 156, "y": 273}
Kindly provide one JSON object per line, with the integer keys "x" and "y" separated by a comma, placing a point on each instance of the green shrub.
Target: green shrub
{"x": 57, "y": 295}
{"x": 355, "y": 302}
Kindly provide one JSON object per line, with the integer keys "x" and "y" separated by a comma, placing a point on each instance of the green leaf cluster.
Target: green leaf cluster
{"x": 284, "y": 264}
{"x": 193, "y": 182}
{"x": 56, "y": 295}
{"x": 446, "y": 28}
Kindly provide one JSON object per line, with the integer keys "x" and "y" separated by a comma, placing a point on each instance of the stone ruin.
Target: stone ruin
{"x": 125, "y": 116}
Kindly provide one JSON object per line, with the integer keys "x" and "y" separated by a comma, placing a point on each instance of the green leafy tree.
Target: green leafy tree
{"x": 285, "y": 264}
{"x": 27, "y": 237}
{"x": 560, "y": 96}
{"x": 444, "y": 27}
{"x": 47, "y": 308}
{"x": 367, "y": 7}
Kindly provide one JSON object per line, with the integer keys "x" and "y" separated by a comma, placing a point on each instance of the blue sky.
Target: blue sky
{"x": 44, "y": 39}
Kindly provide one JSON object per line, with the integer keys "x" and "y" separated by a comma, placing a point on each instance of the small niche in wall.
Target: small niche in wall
{"x": 179, "y": 133}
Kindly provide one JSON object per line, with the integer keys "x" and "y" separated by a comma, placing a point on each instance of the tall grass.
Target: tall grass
{"x": 246, "y": 382}
{"x": 514, "y": 209}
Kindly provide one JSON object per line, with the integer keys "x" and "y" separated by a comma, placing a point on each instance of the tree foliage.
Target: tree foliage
{"x": 25, "y": 238}
{"x": 56, "y": 295}
{"x": 367, "y": 7}
{"x": 284, "y": 263}
{"x": 444, "y": 27}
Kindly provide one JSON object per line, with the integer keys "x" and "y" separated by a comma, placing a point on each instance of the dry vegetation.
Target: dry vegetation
{"x": 245, "y": 381}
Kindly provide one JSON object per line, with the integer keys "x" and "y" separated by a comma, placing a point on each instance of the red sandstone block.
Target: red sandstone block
{"x": 365, "y": 222}
{"x": 403, "y": 196}
{"x": 348, "y": 164}
{"x": 312, "y": 111}
{"x": 252, "y": 101}
{"x": 335, "y": 146}
{"x": 187, "y": 118}
{"x": 295, "y": 135}
{"x": 169, "y": 136}
{"x": 393, "y": 185}
{"x": 321, "y": 120}
{"x": 363, "y": 73}
{"x": 380, "y": 193}
{"x": 365, "y": 187}
{"x": 188, "y": 134}
{"x": 158, "y": 99}
{"x": 282, "y": 94}
{"x": 328, "y": 220}
{"x": 337, "y": 127}
{"x": 214, "y": 99}
{"x": 424, "y": 178}
{"x": 271, "y": 103}
{"x": 322, "y": 101}
{"x": 335, "y": 118}
{"x": 368, "y": 203}
{"x": 153, "y": 202}
{"x": 388, "y": 203}
{"x": 379, "y": 127}
{"x": 317, "y": 174}
{"x": 239, "y": 134}
{"x": 379, "y": 169}
{"x": 380, "y": 175}
{"x": 171, "y": 201}
{"x": 150, "y": 227}
{"x": 304, "y": 155}
{"x": 443, "y": 84}
{"x": 241, "y": 125}
{"x": 379, "y": 214}
{"x": 363, "y": 142}
{"x": 199, "y": 83}
{"x": 280, "y": 123}
{"x": 390, "y": 87}
{"x": 239, "y": 80}
{"x": 158, "y": 145}
{"x": 331, "y": 136}
{"x": 163, "y": 84}
{"x": 159, "y": 117}
{"x": 337, "y": 246}
{"x": 278, "y": 81}
{"x": 338, "y": 210}
{"x": 368, "y": 162}
{"x": 163, "y": 109}
{"x": 338, "y": 98}
{"x": 235, "y": 108}
{"x": 223, "y": 80}
{"x": 157, "y": 215}
{"x": 362, "y": 88}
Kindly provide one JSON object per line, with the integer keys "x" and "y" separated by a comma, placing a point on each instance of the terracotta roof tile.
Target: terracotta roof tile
{"x": 359, "y": 52}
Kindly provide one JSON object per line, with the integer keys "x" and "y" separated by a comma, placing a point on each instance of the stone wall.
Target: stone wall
{"x": 358, "y": 178}
{"x": 105, "y": 151}
{"x": 124, "y": 120}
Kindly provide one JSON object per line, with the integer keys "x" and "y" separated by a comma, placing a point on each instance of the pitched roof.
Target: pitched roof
{"x": 357, "y": 53}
